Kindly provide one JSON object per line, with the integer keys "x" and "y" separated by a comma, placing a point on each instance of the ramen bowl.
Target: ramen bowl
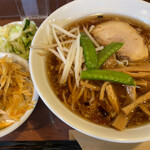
{"x": 8, "y": 129}
{"x": 68, "y": 13}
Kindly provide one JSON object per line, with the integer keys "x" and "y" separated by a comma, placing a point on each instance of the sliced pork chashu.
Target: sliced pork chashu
{"x": 133, "y": 49}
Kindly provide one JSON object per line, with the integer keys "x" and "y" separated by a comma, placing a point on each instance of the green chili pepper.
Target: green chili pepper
{"x": 105, "y": 53}
{"x": 89, "y": 51}
{"x": 108, "y": 75}
{"x": 27, "y": 23}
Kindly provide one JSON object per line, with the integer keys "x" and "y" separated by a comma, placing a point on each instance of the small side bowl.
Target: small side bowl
{"x": 35, "y": 97}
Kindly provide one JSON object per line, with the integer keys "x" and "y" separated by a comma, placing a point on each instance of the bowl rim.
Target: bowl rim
{"x": 35, "y": 97}
{"x": 55, "y": 110}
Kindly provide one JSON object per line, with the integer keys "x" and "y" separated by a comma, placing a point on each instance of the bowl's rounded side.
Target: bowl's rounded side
{"x": 17, "y": 124}
{"x": 77, "y": 9}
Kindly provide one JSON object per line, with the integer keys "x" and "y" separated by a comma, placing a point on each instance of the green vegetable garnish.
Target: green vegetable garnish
{"x": 18, "y": 46}
{"x": 93, "y": 62}
{"x": 108, "y": 75}
{"x": 27, "y": 23}
{"x": 89, "y": 51}
{"x": 27, "y": 38}
{"x": 105, "y": 53}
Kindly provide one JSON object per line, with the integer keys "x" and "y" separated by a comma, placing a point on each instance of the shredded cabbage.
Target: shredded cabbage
{"x": 17, "y": 38}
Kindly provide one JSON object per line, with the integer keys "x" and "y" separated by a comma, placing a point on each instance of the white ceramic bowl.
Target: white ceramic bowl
{"x": 17, "y": 124}
{"x": 77, "y": 9}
